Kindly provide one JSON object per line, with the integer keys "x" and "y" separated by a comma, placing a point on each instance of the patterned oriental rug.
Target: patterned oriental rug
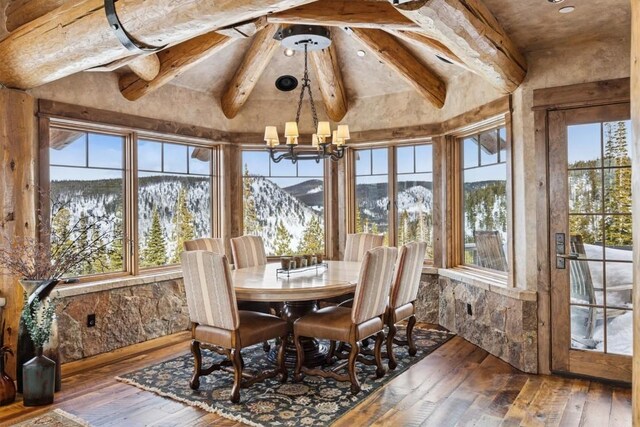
{"x": 55, "y": 418}
{"x": 315, "y": 401}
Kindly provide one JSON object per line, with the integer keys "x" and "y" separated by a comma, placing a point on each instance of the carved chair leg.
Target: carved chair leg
{"x": 332, "y": 350}
{"x": 197, "y": 365}
{"x": 281, "y": 358}
{"x": 412, "y": 345}
{"x": 266, "y": 346}
{"x": 366, "y": 342}
{"x": 390, "y": 335}
{"x": 236, "y": 359}
{"x": 297, "y": 375}
{"x": 377, "y": 352}
{"x": 353, "y": 377}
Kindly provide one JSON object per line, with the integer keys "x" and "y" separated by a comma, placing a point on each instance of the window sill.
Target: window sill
{"x": 65, "y": 291}
{"x": 496, "y": 283}
{"x": 429, "y": 269}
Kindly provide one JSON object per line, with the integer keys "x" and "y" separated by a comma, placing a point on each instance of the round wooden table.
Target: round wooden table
{"x": 297, "y": 295}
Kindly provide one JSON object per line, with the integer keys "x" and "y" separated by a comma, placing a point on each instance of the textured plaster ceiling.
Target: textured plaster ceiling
{"x": 532, "y": 24}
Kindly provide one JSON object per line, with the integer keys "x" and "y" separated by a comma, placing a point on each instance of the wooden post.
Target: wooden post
{"x": 635, "y": 154}
{"x": 17, "y": 195}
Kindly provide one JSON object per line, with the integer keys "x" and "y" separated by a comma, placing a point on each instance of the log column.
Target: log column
{"x": 17, "y": 194}
{"x": 635, "y": 155}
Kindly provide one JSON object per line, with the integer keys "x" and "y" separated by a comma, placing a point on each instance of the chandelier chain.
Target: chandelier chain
{"x": 306, "y": 85}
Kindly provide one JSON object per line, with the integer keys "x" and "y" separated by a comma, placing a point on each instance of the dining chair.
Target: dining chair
{"x": 358, "y": 244}
{"x": 208, "y": 244}
{"x": 351, "y": 325}
{"x": 218, "y": 325}
{"x": 402, "y": 300}
{"x": 248, "y": 251}
{"x": 214, "y": 245}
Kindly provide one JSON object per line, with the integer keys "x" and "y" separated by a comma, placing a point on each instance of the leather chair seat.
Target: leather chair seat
{"x": 334, "y": 323}
{"x": 254, "y": 328}
{"x": 402, "y": 312}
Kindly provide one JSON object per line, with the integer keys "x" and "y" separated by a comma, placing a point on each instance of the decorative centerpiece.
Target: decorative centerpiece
{"x": 42, "y": 264}
{"x": 39, "y": 373}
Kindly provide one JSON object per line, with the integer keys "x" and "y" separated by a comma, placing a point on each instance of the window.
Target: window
{"x": 90, "y": 179}
{"x": 484, "y": 204}
{"x": 404, "y": 194}
{"x": 372, "y": 191}
{"x": 174, "y": 199}
{"x": 414, "y": 195}
{"x": 284, "y": 203}
{"x": 87, "y": 194}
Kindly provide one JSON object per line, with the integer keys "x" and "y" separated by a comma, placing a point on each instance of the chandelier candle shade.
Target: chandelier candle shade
{"x": 328, "y": 144}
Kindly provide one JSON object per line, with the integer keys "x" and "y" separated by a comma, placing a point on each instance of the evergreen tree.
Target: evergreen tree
{"x": 282, "y": 241}
{"x": 182, "y": 225}
{"x": 60, "y": 223}
{"x": 403, "y": 228}
{"x": 116, "y": 250}
{"x": 313, "y": 238}
{"x": 100, "y": 263}
{"x": 155, "y": 252}
{"x": 250, "y": 215}
{"x": 359, "y": 226}
{"x": 618, "y": 187}
{"x": 82, "y": 242}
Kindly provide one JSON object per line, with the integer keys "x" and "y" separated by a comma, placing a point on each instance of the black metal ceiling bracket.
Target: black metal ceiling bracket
{"x": 123, "y": 36}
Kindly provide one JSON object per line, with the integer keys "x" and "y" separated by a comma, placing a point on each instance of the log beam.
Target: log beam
{"x": 329, "y": 77}
{"x": 76, "y": 36}
{"x": 244, "y": 30}
{"x": 248, "y": 73}
{"x": 399, "y": 58}
{"x": 345, "y": 13}
{"x": 635, "y": 155}
{"x": 433, "y": 45}
{"x": 473, "y": 34}
{"x": 173, "y": 62}
{"x": 146, "y": 67}
{"x": 19, "y": 12}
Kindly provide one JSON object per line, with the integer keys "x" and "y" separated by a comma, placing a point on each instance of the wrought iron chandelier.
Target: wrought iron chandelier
{"x": 306, "y": 38}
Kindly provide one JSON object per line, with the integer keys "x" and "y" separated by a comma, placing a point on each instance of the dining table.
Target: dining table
{"x": 295, "y": 293}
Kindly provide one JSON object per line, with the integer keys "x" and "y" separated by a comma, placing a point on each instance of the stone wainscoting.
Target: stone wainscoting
{"x": 125, "y": 315}
{"x": 428, "y": 302}
{"x": 502, "y": 324}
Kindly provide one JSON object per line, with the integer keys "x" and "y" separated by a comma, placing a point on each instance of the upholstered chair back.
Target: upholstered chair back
{"x": 358, "y": 244}
{"x": 208, "y": 244}
{"x": 406, "y": 277}
{"x": 374, "y": 284}
{"x": 211, "y": 298}
{"x": 248, "y": 251}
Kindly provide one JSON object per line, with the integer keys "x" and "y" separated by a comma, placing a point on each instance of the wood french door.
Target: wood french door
{"x": 590, "y": 241}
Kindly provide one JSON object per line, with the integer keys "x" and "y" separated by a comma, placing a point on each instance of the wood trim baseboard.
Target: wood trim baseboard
{"x": 99, "y": 360}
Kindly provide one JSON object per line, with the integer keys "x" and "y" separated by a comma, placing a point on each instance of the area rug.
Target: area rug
{"x": 55, "y": 418}
{"x": 315, "y": 401}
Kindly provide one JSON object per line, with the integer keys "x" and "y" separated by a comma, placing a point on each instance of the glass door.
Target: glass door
{"x": 591, "y": 244}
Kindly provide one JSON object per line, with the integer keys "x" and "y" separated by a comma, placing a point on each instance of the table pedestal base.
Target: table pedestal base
{"x": 314, "y": 353}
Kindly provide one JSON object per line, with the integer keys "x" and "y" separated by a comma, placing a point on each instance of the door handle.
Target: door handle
{"x": 569, "y": 256}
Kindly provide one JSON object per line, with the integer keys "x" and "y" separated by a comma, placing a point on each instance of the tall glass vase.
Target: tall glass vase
{"x": 39, "y": 377}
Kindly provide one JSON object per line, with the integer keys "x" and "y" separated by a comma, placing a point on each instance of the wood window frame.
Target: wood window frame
{"x": 455, "y": 141}
{"x": 330, "y": 211}
{"x": 70, "y": 117}
{"x": 392, "y": 183}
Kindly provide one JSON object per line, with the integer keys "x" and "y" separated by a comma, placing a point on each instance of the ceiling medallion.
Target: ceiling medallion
{"x": 306, "y": 38}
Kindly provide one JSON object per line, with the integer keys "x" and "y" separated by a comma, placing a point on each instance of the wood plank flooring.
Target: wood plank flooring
{"x": 457, "y": 385}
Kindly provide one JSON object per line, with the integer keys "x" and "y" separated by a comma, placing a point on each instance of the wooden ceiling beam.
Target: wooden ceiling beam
{"x": 76, "y": 36}
{"x": 174, "y": 61}
{"x": 433, "y": 45}
{"x": 473, "y": 34}
{"x": 330, "y": 82}
{"x": 145, "y": 67}
{"x": 399, "y": 58}
{"x": 20, "y": 12}
{"x": 248, "y": 73}
{"x": 345, "y": 13}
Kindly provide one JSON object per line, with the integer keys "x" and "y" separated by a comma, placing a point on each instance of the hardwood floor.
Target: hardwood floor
{"x": 458, "y": 384}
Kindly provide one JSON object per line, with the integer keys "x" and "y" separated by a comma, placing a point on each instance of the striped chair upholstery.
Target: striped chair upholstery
{"x": 248, "y": 251}
{"x": 358, "y": 244}
{"x": 211, "y": 298}
{"x": 208, "y": 244}
{"x": 406, "y": 278}
{"x": 372, "y": 292}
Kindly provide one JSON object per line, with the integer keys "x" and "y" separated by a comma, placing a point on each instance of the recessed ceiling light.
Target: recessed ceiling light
{"x": 361, "y": 53}
{"x": 288, "y": 52}
{"x": 555, "y": 1}
{"x": 566, "y": 9}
